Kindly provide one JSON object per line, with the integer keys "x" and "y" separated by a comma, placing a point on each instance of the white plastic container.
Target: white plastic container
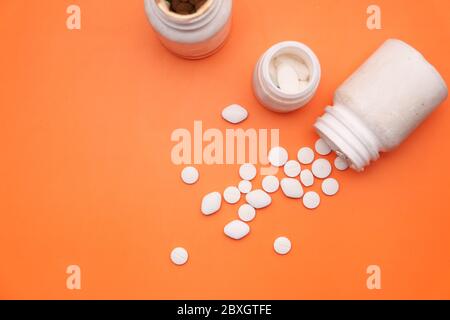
{"x": 381, "y": 104}
{"x": 267, "y": 92}
{"x": 192, "y": 36}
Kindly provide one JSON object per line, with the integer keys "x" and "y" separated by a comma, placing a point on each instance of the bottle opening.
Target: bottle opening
{"x": 184, "y": 11}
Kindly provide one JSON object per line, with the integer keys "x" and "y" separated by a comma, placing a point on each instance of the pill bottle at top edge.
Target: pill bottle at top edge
{"x": 192, "y": 36}
{"x": 380, "y": 105}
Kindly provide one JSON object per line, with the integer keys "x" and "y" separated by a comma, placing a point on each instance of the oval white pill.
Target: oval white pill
{"x": 234, "y": 113}
{"x": 258, "y": 199}
{"x": 311, "y": 200}
{"x": 307, "y": 178}
{"x": 340, "y": 164}
{"x": 321, "y": 168}
{"x": 282, "y": 245}
{"x": 247, "y": 171}
{"x": 278, "y": 156}
{"x": 291, "y": 188}
{"x": 189, "y": 175}
{"x": 211, "y": 203}
{"x": 232, "y": 195}
{"x": 245, "y": 186}
{"x": 305, "y": 155}
{"x": 287, "y": 78}
{"x": 236, "y": 229}
{"x": 246, "y": 212}
{"x": 322, "y": 147}
{"x": 270, "y": 184}
{"x": 330, "y": 186}
{"x": 179, "y": 256}
{"x": 292, "y": 168}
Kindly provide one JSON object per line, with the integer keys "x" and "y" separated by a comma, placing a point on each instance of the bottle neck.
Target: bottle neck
{"x": 348, "y": 135}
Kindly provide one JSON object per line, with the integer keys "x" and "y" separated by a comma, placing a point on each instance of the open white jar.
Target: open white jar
{"x": 286, "y": 76}
{"x": 192, "y": 36}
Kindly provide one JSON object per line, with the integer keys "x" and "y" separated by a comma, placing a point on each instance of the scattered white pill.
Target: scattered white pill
{"x": 211, "y": 203}
{"x": 311, "y": 200}
{"x": 340, "y": 163}
{"x": 287, "y": 79}
{"x": 273, "y": 74}
{"x": 278, "y": 156}
{"x": 258, "y": 199}
{"x": 321, "y": 168}
{"x": 232, "y": 195}
{"x": 236, "y": 229}
{"x": 292, "y": 168}
{"x": 307, "y": 178}
{"x": 282, "y": 245}
{"x": 245, "y": 186}
{"x": 305, "y": 155}
{"x": 246, "y": 212}
{"x": 291, "y": 188}
{"x": 270, "y": 184}
{"x": 322, "y": 147}
{"x": 330, "y": 186}
{"x": 234, "y": 113}
{"x": 247, "y": 171}
{"x": 179, "y": 256}
{"x": 189, "y": 175}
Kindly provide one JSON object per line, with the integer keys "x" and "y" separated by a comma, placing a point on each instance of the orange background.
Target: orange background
{"x": 86, "y": 176}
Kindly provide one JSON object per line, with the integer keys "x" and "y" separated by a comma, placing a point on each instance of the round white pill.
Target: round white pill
{"x": 246, "y": 212}
{"x": 321, "y": 168}
{"x": 278, "y": 156}
{"x": 291, "y": 188}
{"x": 234, "y": 113}
{"x": 282, "y": 245}
{"x": 179, "y": 256}
{"x": 231, "y": 195}
{"x": 305, "y": 155}
{"x": 311, "y": 200}
{"x": 247, "y": 171}
{"x": 245, "y": 186}
{"x": 258, "y": 199}
{"x": 292, "y": 168}
{"x": 189, "y": 175}
{"x": 270, "y": 184}
{"x": 330, "y": 186}
{"x": 307, "y": 178}
{"x": 340, "y": 164}
{"x": 236, "y": 229}
{"x": 322, "y": 147}
{"x": 211, "y": 203}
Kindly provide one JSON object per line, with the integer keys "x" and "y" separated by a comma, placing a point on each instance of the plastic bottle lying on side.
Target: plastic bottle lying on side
{"x": 381, "y": 104}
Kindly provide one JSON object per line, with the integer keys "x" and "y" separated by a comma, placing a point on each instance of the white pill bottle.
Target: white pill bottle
{"x": 379, "y": 106}
{"x": 192, "y": 36}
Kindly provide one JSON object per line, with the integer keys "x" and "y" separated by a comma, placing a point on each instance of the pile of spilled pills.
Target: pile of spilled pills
{"x": 297, "y": 177}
